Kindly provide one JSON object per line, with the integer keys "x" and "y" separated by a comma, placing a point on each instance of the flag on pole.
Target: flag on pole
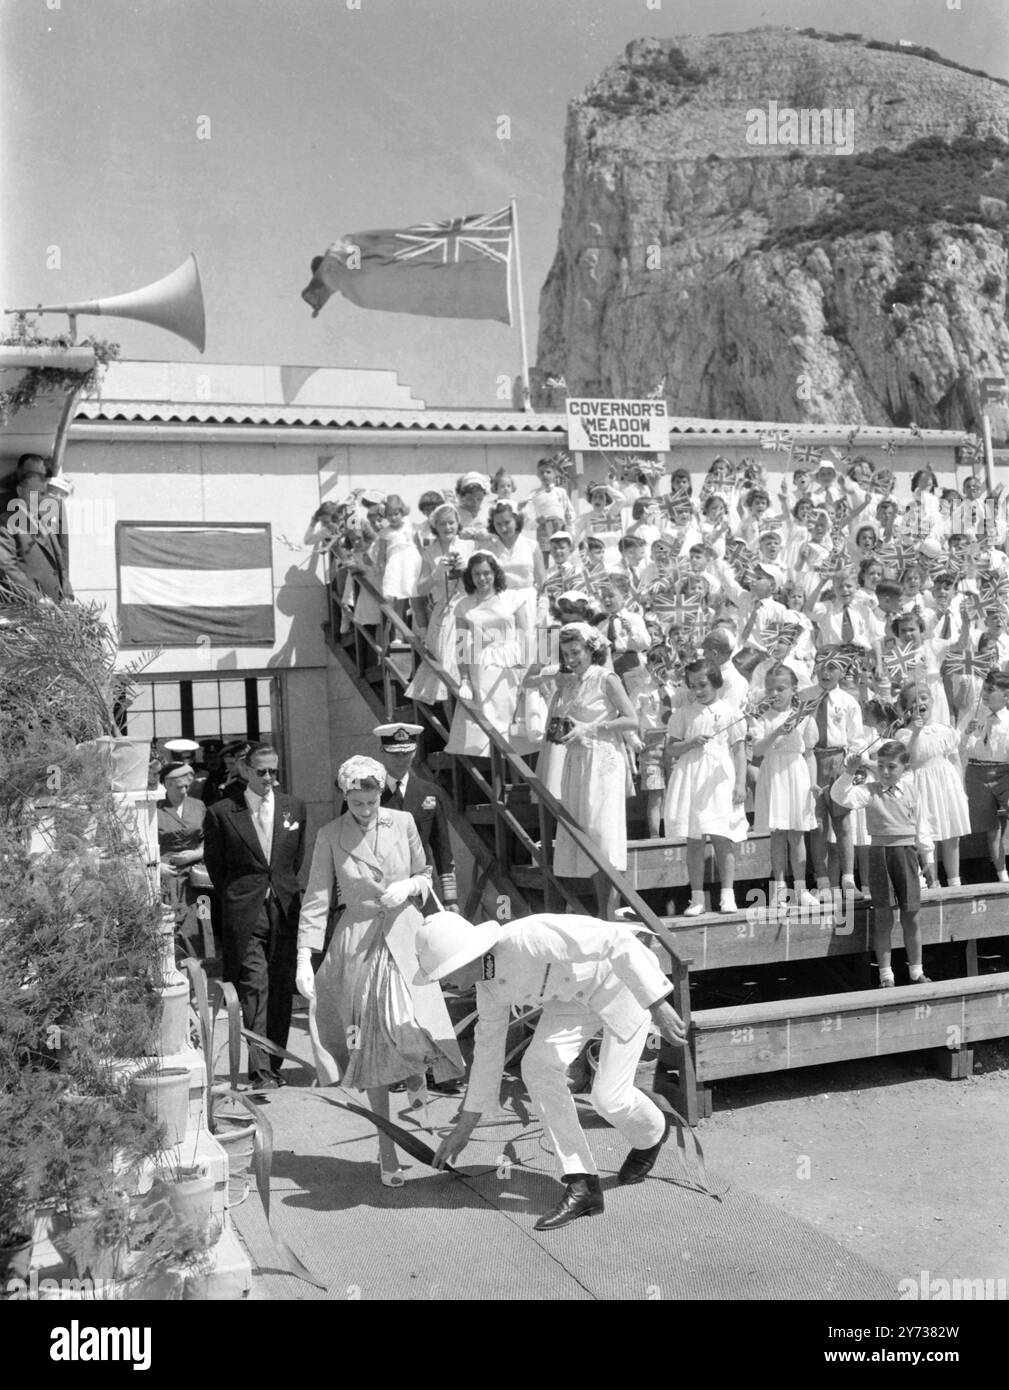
{"x": 187, "y": 586}
{"x": 458, "y": 269}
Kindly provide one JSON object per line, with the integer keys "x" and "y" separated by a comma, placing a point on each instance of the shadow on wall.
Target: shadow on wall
{"x": 302, "y": 598}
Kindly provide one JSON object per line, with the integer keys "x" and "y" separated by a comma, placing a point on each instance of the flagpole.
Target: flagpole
{"x": 523, "y": 344}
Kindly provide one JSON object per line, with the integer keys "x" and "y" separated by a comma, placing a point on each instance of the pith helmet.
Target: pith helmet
{"x": 445, "y": 941}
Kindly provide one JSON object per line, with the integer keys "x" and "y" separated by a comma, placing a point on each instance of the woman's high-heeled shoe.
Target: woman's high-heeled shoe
{"x": 393, "y": 1179}
{"x": 417, "y": 1104}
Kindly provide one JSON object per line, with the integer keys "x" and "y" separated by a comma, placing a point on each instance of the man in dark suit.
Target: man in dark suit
{"x": 254, "y": 842}
{"x": 405, "y": 791}
{"x": 33, "y": 538}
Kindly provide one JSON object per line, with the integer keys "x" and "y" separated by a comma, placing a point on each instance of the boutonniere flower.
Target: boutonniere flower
{"x": 429, "y": 803}
{"x": 288, "y": 823}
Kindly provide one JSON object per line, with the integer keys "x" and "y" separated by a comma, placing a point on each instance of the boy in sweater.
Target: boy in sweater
{"x": 894, "y": 823}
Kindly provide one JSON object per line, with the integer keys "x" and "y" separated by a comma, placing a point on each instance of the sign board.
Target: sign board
{"x": 635, "y": 426}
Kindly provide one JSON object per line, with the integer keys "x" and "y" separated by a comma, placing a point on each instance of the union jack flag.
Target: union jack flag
{"x": 778, "y": 441}
{"x": 905, "y": 662}
{"x": 890, "y": 447}
{"x": 487, "y": 234}
{"x": 676, "y": 610}
{"x": 808, "y": 455}
{"x": 972, "y": 448}
{"x": 627, "y": 465}
{"x": 779, "y": 634}
{"x": 805, "y": 705}
{"x": 992, "y": 587}
{"x": 837, "y": 564}
{"x": 968, "y": 663}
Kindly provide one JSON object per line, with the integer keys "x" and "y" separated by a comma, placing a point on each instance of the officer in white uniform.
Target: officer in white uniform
{"x": 586, "y": 974}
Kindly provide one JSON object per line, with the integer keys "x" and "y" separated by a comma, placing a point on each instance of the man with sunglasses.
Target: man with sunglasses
{"x": 254, "y": 842}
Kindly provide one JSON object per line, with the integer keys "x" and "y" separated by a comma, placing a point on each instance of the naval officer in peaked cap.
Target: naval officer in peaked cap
{"x": 405, "y": 791}
{"x": 587, "y": 974}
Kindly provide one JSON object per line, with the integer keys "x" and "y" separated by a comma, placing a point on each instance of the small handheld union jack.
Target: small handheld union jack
{"x": 837, "y": 564}
{"x": 779, "y": 634}
{"x": 778, "y": 441}
{"x": 971, "y": 448}
{"x": 804, "y": 707}
{"x": 890, "y": 447}
{"x": 992, "y": 588}
{"x": 904, "y": 662}
{"x": 968, "y": 663}
{"x": 676, "y": 610}
{"x": 807, "y": 456}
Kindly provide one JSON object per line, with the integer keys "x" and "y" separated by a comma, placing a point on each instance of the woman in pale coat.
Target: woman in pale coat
{"x": 371, "y": 1026}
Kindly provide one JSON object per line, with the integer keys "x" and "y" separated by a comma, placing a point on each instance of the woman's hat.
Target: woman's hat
{"x": 469, "y": 480}
{"x": 446, "y": 941}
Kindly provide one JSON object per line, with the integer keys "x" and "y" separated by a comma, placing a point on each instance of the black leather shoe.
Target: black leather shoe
{"x": 447, "y": 1088}
{"x": 279, "y": 1079}
{"x": 263, "y": 1081}
{"x": 640, "y": 1162}
{"x": 584, "y": 1197}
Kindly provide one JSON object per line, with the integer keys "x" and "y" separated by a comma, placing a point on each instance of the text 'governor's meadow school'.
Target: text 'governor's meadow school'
{"x": 608, "y": 424}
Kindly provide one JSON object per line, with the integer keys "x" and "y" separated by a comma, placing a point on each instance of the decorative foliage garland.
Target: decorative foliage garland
{"x": 37, "y": 381}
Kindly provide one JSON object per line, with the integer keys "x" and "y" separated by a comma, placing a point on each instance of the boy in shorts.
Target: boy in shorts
{"x": 893, "y": 818}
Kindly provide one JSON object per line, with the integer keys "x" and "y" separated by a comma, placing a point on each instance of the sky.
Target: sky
{"x": 256, "y": 132}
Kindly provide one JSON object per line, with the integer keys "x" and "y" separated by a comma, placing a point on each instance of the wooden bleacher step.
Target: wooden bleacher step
{"x": 783, "y": 1034}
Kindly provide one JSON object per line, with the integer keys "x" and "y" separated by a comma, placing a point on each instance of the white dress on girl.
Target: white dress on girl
{"x": 699, "y": 793}
{"x": 399, "y": 560}
{"x": 447, "y": 591}
{"x": 935, "y": 768}
{"x": 594, "y": 777}
{"x": 783, "y": 799}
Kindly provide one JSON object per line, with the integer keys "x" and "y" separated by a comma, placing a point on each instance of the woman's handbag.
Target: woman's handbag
{"x": 199, "y": 878}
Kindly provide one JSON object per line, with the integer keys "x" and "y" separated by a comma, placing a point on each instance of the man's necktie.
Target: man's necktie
{"x": 822, "y": 740}
{"x": 946, "y": 626}
{"x": 611, "y": 630}
{"x": 263, "y": 825}
{"x": 397, "y": 797}
{"x": 847, "y": 630}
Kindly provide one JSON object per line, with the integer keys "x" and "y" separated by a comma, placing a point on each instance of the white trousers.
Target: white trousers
{"x": 562, "y": 1032}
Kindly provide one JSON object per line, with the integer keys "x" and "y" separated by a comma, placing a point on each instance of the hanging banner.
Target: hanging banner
{"x": 600, "y": 424}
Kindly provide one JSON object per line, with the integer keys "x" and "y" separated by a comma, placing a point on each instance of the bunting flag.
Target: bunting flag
{"x": 458, "y": 269}
{"x": 186, "y": 585}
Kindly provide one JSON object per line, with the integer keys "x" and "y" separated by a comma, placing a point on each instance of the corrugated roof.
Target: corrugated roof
{"x": 191, "y": 412}
{"x": 348, "y": 417}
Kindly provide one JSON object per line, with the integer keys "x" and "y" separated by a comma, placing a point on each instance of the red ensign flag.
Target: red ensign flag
{"x": 458, "y": 269}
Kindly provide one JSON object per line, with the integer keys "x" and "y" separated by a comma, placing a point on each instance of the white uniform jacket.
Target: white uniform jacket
{"x": 559, "y": 957}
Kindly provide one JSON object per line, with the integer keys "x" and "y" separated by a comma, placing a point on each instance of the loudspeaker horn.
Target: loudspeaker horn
{"x": 174, "y": 303}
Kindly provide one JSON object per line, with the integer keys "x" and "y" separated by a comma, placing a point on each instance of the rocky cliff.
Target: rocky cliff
{"x": 707, "y": 242}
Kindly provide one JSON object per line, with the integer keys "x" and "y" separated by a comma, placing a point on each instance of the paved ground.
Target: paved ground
{"x": 835, "y": 1183}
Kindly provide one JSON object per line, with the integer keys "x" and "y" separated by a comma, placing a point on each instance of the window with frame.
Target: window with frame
{"x": 228, "y": 708}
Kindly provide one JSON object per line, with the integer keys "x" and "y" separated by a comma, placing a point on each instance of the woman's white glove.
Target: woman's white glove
{"x": 397, "y": 893}
{"x": 304, "y": 977}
